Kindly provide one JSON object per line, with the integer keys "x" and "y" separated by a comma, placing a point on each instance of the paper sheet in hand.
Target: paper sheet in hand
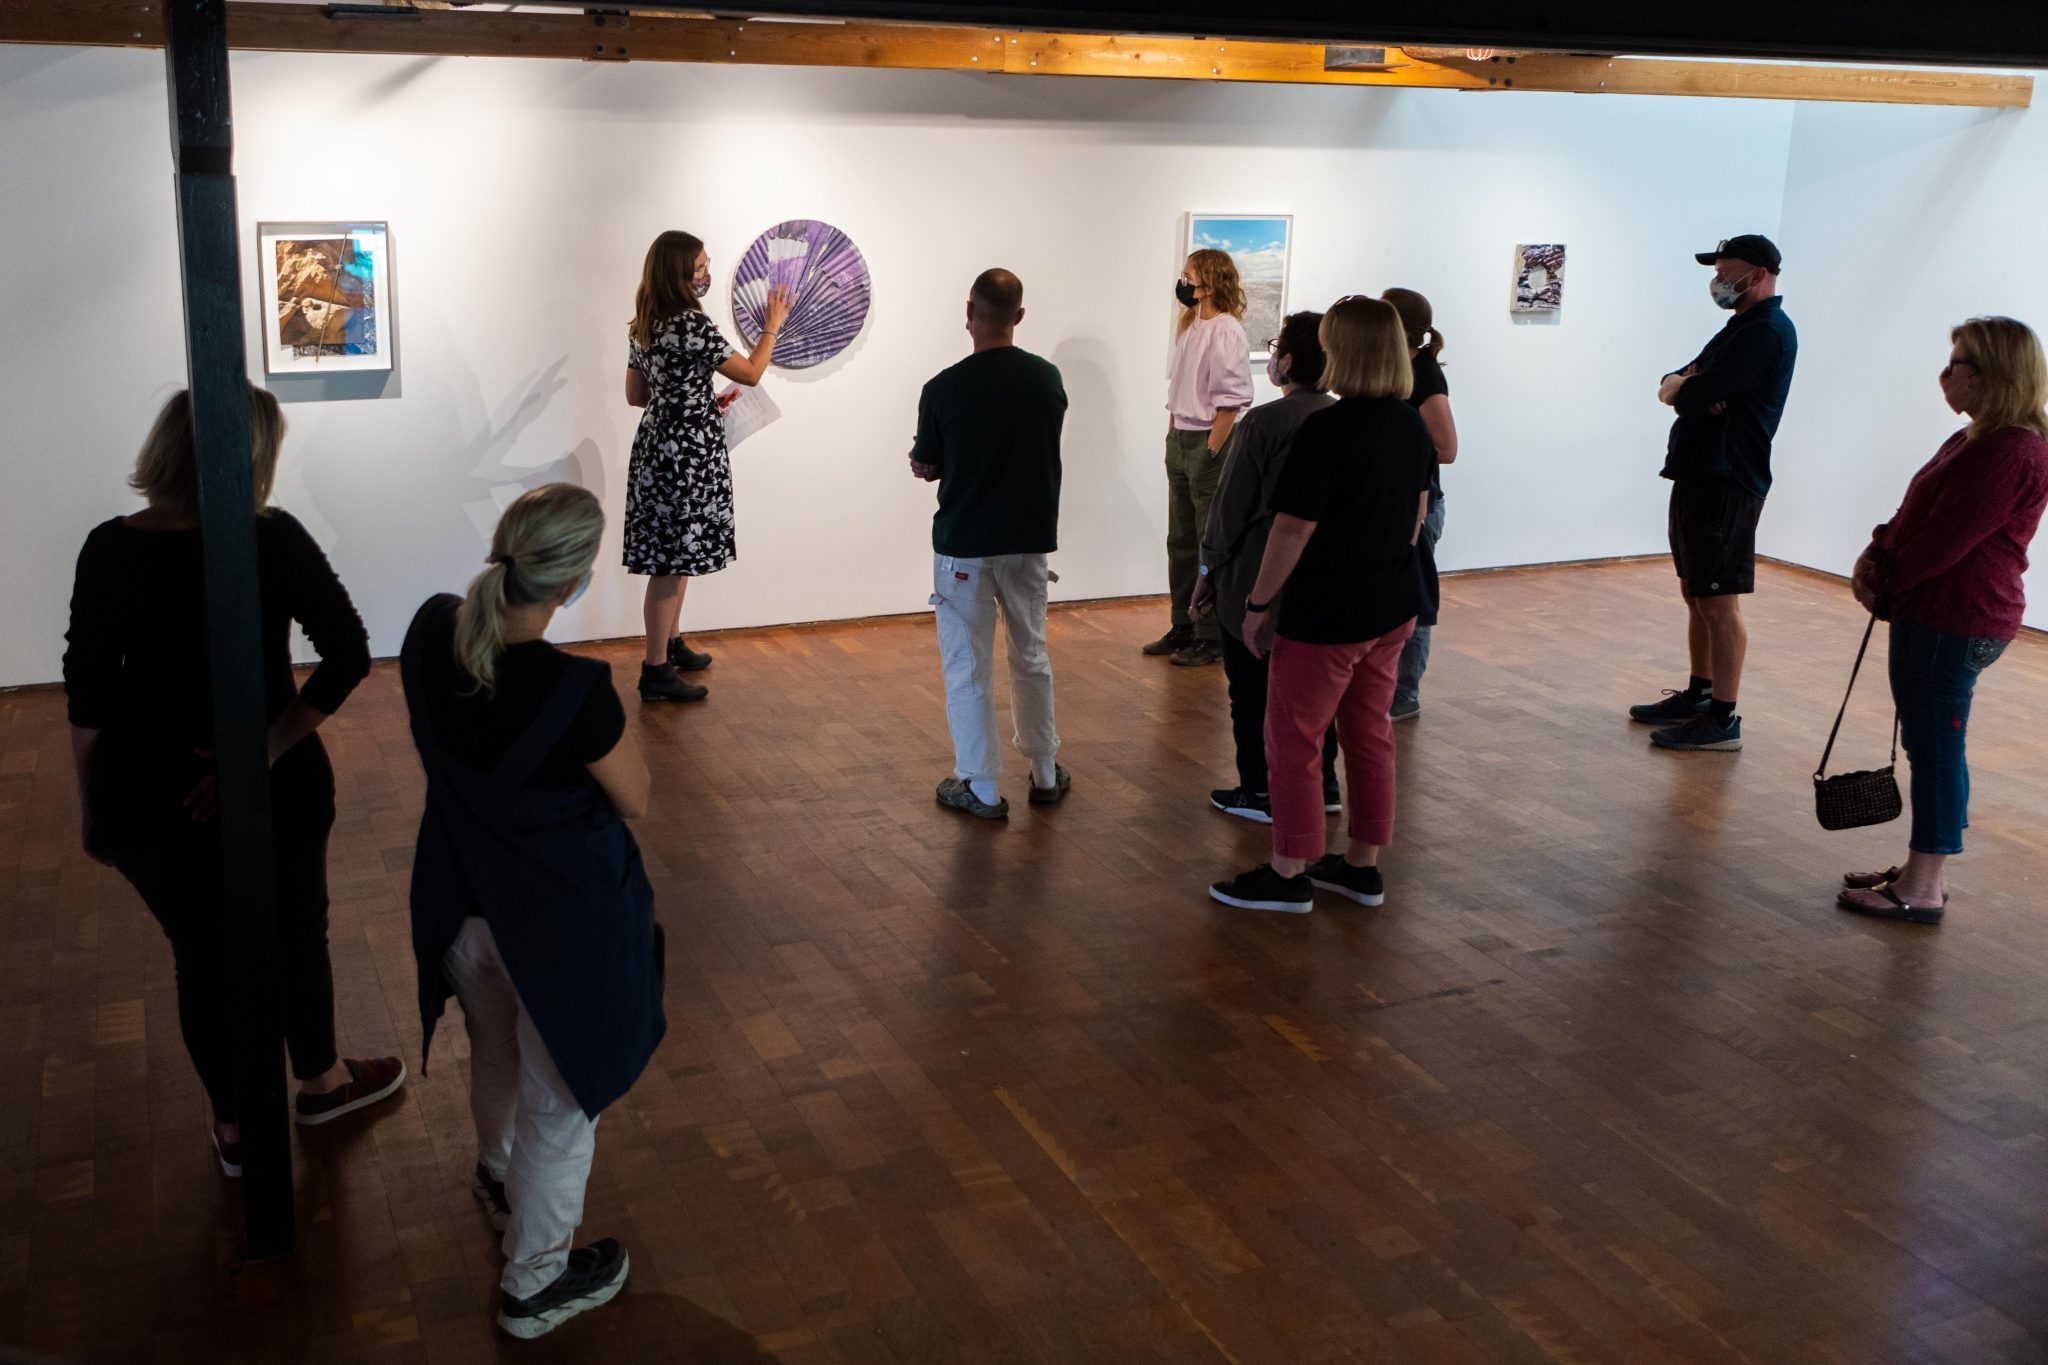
{"x": 749, "y": 412}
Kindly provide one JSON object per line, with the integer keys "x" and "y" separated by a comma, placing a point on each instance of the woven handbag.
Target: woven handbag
{"x": 1853, "y": 800}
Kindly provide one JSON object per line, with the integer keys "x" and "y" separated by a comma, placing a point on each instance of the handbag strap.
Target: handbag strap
{"x": 1821, "y": 771}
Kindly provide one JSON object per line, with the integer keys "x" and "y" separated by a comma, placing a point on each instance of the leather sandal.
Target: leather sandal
{"x": 1893, "y": 907}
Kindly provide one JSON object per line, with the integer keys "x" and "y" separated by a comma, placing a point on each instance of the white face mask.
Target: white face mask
{"x": 1727, "y": 293}
{"x": 570, "y": 600}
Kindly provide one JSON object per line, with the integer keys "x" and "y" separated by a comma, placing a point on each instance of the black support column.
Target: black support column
{"x": 196, "y": 57}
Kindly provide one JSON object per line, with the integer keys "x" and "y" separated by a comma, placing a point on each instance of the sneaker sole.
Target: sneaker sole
{"x": 1048, "y": 796}
{"x": 361, "y": 1102}
{"x": 1405, "y": 715}
{"x": 1285, "y": 907}
{"x": 1348, "y": 893}
{"x": 483, "y": 1196}
{"x": 546, "y": 1321}
{"x": 1725, "y": 746}
{"x": 663, "y": 696}
{"x": 1251, "y": 813}
{"x": 1666, "y": 719}
{"x": 987, "y": 813}
{"x": 231, "y": 1169}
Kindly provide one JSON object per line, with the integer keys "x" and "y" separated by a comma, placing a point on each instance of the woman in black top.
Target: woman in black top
{"x": 529, "y": 902}
{"x": 1431, "y": 397}
{"x": 139, "y": 691}
{"x": 1346, "y": 515}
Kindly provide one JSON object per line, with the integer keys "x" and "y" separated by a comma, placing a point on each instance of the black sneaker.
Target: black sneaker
{"x": 490, "y": 1192}
{"x": 1198, "y": 654}
{"x": 1676, "y": 708}
{"x": 661, "y": 682}
{"x": 1245, "y": 805}
{"x": 1361, "y": 884}
{"x": 1264, "y": 889}
{"x": 686, "y": 659}
{"x": 1333, "y": 801}
{"x": 594, "y": 1275}
{"x": 1175, "y": 640}
{"x": 1405, "y": 708}
{"x": 1701, "y": 734}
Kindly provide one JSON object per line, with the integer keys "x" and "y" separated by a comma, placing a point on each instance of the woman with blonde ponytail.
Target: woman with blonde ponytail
{"x": 529, "y": 901}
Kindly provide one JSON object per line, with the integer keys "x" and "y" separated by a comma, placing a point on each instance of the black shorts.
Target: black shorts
{"x": 1713, "y": 537}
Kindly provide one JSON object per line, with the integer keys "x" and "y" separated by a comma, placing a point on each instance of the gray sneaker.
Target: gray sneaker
{"x": 1700, "y": 735}
{"x": 957, "y": 795}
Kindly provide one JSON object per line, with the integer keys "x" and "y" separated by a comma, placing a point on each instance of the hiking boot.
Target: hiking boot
{"x": 1362, "y": 884}
{"x": 371, "y": 1079}
{"x": 1264, "y": 889}
{"x": 1245, "y": 805}
{"x": 661, "y": 682}
{"x": 594, "y": 1275}
{"x": 1701, "y": 734}
{"x": 686, "y": 659}
{"x": 955, "y": 794}
{"x": 1175, "y": 640}
{"x": 1198, "y": 654}
{"x": 1675, "y": 709}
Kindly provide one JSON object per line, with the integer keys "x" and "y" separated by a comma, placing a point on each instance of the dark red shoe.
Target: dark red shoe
{"x": 373, "y": 1079}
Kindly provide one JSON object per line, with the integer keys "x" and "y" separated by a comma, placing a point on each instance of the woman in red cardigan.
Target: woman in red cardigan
{"x": 1946, "y": 572}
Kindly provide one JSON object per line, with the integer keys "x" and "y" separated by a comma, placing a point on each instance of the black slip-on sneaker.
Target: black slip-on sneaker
{"x": 1362, "y": 884}
{"x": 371, "y": 1079}
{"x": 1701, "y": 735}
{"x": 1264, "y": 889}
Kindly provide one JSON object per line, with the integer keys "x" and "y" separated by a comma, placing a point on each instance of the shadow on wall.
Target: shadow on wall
{"x": 1111, "y": 510}
{"x": 416, "y": 521}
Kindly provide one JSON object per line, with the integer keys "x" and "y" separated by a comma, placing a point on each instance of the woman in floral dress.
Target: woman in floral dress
{"x": 679, "y": 484}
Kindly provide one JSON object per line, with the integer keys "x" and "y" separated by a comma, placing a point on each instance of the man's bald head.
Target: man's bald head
{"x": 997, "y": 298}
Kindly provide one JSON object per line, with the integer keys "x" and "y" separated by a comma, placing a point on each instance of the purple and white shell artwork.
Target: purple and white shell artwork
{"x": 824, "y": 269}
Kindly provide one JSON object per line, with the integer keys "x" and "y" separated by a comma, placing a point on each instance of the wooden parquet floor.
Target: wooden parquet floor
{"x": 1606, "y": 1079}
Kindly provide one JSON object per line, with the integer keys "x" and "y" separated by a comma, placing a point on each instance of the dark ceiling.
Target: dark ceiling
{"x": 1960, "y": 32}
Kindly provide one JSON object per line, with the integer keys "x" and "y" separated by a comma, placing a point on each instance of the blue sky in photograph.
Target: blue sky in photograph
{"x": 1258, "y": 245}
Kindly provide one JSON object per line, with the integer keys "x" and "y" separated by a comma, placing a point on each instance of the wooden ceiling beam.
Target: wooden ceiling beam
{"x": 266, "y": 25}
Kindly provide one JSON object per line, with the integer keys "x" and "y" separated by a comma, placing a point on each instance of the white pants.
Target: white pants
{"x": 966, "y": 594}
{"x": 530, "y": 1131}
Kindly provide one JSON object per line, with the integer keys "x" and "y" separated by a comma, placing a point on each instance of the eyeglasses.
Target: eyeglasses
{"x": 1949, "y": 369}
{"x": 1272, "y": 346}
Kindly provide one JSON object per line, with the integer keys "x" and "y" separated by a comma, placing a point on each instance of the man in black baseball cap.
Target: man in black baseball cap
{"x": 1718, "y": 458}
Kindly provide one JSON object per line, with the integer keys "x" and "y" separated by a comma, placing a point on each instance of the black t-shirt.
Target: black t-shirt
{"x": 1429, "y": 382}
{"x": 479, "y": 729}
{"x": 992, "y": 426}
{"x": 1358, "y": 470}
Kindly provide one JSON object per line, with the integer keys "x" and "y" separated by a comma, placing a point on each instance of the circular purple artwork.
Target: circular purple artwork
{"x": 824, "y": 268}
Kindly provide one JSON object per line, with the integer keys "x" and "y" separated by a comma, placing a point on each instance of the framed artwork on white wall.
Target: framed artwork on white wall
{"x": 326, "y": 295}
{"x": 1539, "y": 279}
{"x": 1260, "y": 245}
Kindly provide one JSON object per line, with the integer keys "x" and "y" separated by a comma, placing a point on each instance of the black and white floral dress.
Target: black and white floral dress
{"x": 679, "y": 484}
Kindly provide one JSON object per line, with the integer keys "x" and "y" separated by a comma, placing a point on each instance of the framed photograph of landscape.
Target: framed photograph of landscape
{"x": 1261, "y": 245}
{"x": 326, "y": 297}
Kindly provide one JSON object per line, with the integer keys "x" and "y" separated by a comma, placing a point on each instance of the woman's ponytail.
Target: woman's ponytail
{"x": 1418, "y": 320}
{"x": 544, "y": 545}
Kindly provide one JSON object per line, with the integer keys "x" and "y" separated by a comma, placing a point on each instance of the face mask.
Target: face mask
{"x": 1274, "y": 372}
{"x": 570, "y": 600}
{"x": 1185, "y": 292}
{"x": 1727, "y": 293}
{"x": 701, "y": 283}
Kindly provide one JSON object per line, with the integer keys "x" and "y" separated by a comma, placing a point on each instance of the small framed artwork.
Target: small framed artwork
{"x": 1539, "y": 279}
{"x": 326, "y": 294}
{"x": 1260, "y": 245}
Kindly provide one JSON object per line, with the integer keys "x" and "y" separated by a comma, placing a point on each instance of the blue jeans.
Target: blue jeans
{"x": 1933, "y": 675}
{"x": 1415, "y": 655}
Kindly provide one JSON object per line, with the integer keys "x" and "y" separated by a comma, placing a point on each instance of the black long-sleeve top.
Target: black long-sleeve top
{"x": 136, "y": 664}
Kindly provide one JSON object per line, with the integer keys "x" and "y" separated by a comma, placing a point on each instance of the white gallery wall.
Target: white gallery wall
{"x": 522, "y": 194}
{"x": 1899, "y": 223}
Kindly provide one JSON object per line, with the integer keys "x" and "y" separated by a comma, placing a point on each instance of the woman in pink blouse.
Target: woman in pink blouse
{"x": 1211, "y": 384}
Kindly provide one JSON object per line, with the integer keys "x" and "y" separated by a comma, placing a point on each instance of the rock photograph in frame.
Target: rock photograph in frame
{"x": 1539, "y": 279}
{"x": 326, "y": 297}
{"x": 1260, "y": 245}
